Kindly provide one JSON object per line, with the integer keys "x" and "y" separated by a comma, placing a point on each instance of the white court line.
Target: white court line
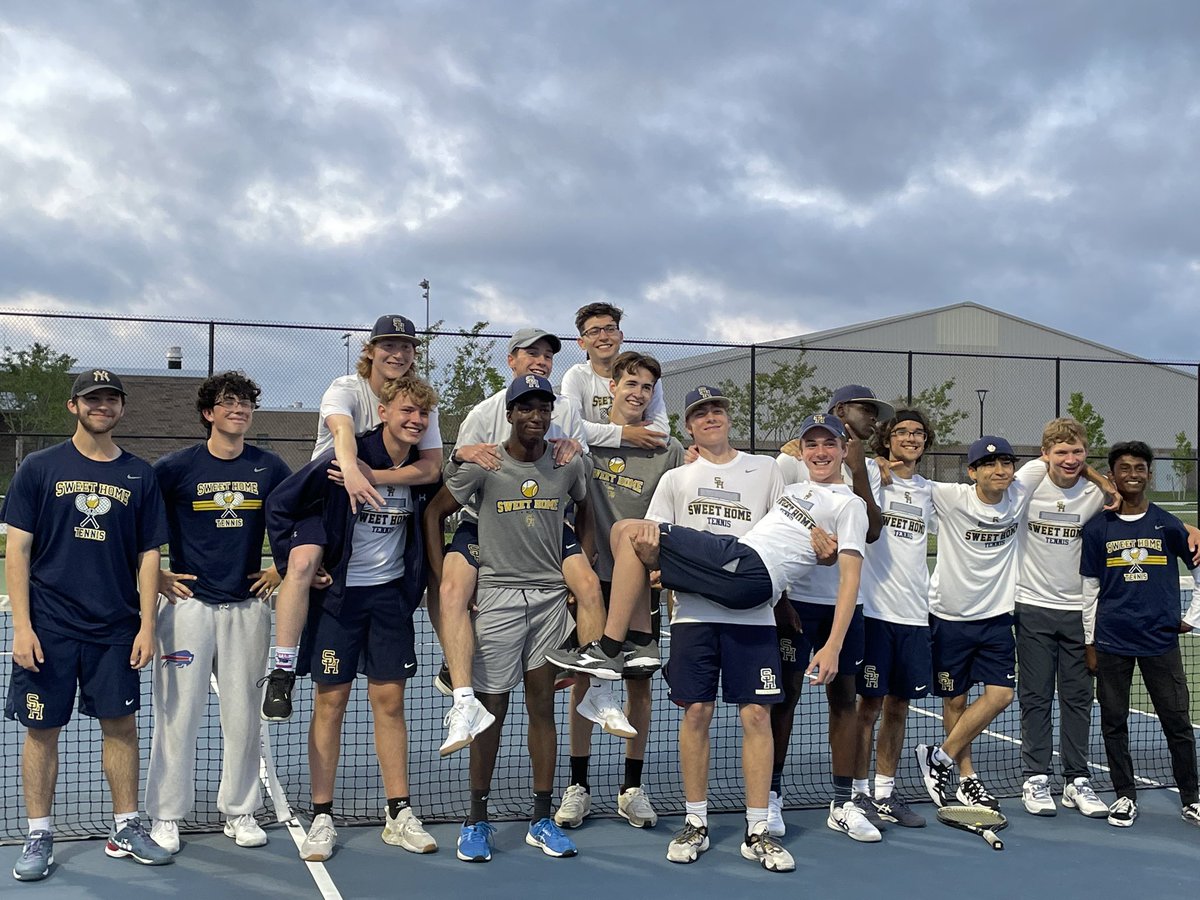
{"x": 1017, "y": 741}
{"x": 283, "y": 811}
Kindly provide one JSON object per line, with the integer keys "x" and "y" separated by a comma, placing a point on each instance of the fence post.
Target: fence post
{"x": 753, "y": 391}
{"x": 910, "y": 393}
{"x": 212, "y": 345}
{"x": 1057, "y": 387}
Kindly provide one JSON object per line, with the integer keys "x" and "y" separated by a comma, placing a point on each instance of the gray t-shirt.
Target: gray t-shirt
{"x": 521, "y": 508}
{"x": 622, "y": 483}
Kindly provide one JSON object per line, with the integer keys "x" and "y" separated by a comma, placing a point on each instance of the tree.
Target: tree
{"x": 1183, "y": 461}
{"x": 468, "y": 380}
{"x": 781, "y": 399}
{"x": 1093, "y": 423}
{"x": 34, "y": 384}
{"x": 935, "y": 402}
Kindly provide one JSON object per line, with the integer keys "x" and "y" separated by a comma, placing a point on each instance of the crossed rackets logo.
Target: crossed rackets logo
{"x": 91, "y": 505}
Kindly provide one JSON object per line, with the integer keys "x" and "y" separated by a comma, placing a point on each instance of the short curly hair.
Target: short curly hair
{"x": 227, "y": 384}
{"x": 597, "y": 309}
{"x": 881, "y": 439}
{"x": 414, "y": 388}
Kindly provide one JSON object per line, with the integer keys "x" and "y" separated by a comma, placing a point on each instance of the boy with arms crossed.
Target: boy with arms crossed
{"x": 376, "y": 561}
{"x": 210, "y": 617}
{"x": 521, "y": 611}
{"x": 623, "y": 480}
{"x": 1129, "y": 565}
{"x": 349, "y": 409}
{"x": 85, "y": 521}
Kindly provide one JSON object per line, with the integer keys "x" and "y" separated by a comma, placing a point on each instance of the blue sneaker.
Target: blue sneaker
{"x": 37, "y": 857}
{"x": 475, "y": 842}
{"x": 545, "y": 834}
{"x": 134, "y": 840}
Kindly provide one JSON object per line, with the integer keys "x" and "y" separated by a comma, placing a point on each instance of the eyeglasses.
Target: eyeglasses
{"x": 914, "y": 432}
{"x": 599, "y": 330}
{"x": 235, "y": 403}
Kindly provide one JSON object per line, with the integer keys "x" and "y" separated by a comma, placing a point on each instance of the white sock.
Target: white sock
{"x": 941, "y": 756}
{"x": 884, "y": 786}
{"x": 753, "y": 817}
{"x": 861, "y": 786}
{"x": 700, "y": 811}
{"x": 120, "y": 820}
{"x": 285, "y": 658}
{"x": 40, "y": 824}
{"x": 462, "y": 695}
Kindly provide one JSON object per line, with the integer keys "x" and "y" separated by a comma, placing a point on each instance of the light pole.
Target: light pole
{"x": 982, "y": 394}
{"x": 424, "y": 286}
{"x": 346, "y": 341}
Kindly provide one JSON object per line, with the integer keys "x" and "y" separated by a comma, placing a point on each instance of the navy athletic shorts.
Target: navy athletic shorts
{"x": 109, "y": 688}
{"x": 744, "y": 658}
{"x": 897, "y": 660}
{"x": 715, "y": 566}
{"x": 466, "y": 541}
{"x": 967, "y": 653}
{"x": 816, "y": 621}
{"x": 374, "y": 626}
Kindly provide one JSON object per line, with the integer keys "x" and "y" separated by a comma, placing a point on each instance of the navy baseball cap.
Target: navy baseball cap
{"x": 856, "y": 393}
{"x": 97, "y": 380}
{"x": 987, "y": 447}
{"x": 825, "y": 422}
{"x": 527, "y": 337}
{"x": 528, "y": 385}
{"x": 394, "y": 327}
{"x": 703, "y": 394}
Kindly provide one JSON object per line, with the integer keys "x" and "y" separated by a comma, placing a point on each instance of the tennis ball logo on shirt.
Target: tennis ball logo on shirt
{"x": 616, "y": 465}
{"x": 529, "y": 488}
{"x": 228, "y": 501}
{"x": 91, "y": 505}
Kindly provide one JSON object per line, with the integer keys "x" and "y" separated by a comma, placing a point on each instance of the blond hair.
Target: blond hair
{"x": 412, "y": 387}
{"x": 1063, "y": 431}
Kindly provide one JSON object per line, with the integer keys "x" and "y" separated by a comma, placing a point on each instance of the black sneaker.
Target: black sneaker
{"x": 277, "y": 702}
{"x": 894, "y": 809}
{"x": 972, "y": 792}
{"x": 936, "y": 775}
{"x": 867, "y": 805}
{"x": 442, "y": 682}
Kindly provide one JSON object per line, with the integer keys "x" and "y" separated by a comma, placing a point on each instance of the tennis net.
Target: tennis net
{"x": 439, "y": 786}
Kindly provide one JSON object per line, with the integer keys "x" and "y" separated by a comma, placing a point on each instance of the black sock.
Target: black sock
{"x": 610, "y": 646}
{"x": 541, "y": 805}
{"x": 323, "y": 809}
{"x": 396, "y": 804}
{"x": 633, "y": 774}
{"x": 579, "y": 771}
{"x": 479, "y": 807}
{"x": 640, "y": 638}
{"x": 843, "y": 788}
{"x": 777, "y": 782}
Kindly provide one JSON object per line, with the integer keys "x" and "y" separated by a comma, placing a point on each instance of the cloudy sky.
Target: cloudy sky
{"x": 732, "y": 171}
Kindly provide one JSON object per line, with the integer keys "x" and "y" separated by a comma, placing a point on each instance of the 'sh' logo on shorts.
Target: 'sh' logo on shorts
{"x": 330, "y": 662}
{"x": 34, "y": 707}
{"x": 871, "y": 677}
{"x": 945, "y": 682}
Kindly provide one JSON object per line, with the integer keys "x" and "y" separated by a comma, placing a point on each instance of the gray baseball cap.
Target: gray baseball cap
{"x": 527, "y": 337}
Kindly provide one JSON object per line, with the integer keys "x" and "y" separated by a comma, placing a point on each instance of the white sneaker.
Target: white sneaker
{"x": 600, "y": 706}
{"x": 1122, "y": 812}
{"x": 318, "y": 843}
{"x": 463, "y": 722}
{"x": 776, "y": 827}
{"x": 634, "y": 805}
{"x": 407, "y": 831}
{"x": 1078, "y": 794}
{"x": 689, "y": 842}
{"x": 245, "y": 831}
{"x": 1035, "y": 794}
{"x": 849, "y": 820}
{"x": 574, "y": 808}
{"x": 165, "y": 833}
{"x": 766, "y": 851}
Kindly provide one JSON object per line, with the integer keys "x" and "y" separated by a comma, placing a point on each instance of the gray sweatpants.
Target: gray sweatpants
{"x": 1050, "y": 650}
{"x": 195, "y": 640}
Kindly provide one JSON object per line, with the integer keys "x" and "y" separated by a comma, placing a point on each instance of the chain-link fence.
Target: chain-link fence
{"x": 773, "y": 385}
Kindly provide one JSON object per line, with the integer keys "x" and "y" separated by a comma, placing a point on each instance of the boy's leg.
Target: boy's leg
{"x": 1114, "y": 676}
{"x": 1037, "y": 649}
{"x": 325, "y": 738}
{"x": 1166, "y": 682}
{"x": 243, "y": 636}
{"x": 391, "y": 735}
{"x": 39, "y": 770}
{"x": 459, "y": 578}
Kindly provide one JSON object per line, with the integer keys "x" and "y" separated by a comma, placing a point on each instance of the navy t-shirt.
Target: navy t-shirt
{"x": 215, "y": 516}
{"x": 89, "y": 522}
{"x": 1138, "y": 611}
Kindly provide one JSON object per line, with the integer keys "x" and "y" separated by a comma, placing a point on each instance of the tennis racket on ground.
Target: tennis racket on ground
{"x": 978, "y": 820}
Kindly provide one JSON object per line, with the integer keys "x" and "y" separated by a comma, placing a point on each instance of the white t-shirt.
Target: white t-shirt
{"x": 377, "y": 555}
{"x": 590, "y": 391}
{"x": 895, "y": 583}
{"x": 795, "y": 471}
{"x": 351, "y": 395}
{"x": 726, "y": 498}
{"x": 975, "y": 576}
{"x": 1048, "y": 562}
{"x": 783, "y": 538}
